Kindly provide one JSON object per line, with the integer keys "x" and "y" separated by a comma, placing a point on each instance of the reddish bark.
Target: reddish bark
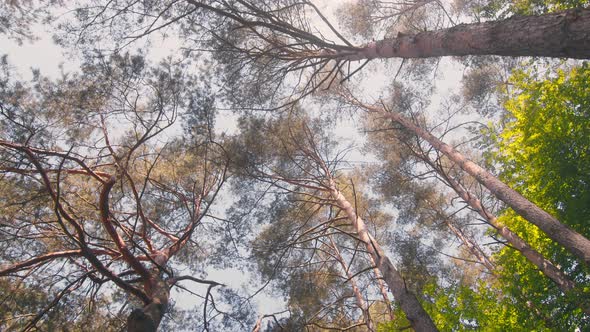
{"x": 39, "y": 260}
{"x": 110, "y": 228}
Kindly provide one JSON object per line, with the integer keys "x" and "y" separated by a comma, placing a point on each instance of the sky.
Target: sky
{"x": 50, "y": 59}
{"x": 44, "y": 55}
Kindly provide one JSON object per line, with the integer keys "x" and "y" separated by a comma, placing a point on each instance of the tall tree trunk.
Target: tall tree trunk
{"x": 473, "y": 247}
{"x": 382, "y": 288}
{"x": 148, "y": 318}
{"x": 408, "y": 302}
{"x": 563, "y": 35}
{"x": 547, "y": 267}
{"x": 571, "y": 240}
{"x": 360, "y": 301}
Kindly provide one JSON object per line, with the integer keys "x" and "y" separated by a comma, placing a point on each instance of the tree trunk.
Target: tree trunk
{"x": 564, "y": 35}
{"x": 382, "y": 288}
{"x": 473, "y": 247}
{"x": 408, "y": 302}
{"x": 571, "y": 240}
{"x": 148, "y": 318}
{"x": 360, "y": 301}
{"x": 547, "y": 267}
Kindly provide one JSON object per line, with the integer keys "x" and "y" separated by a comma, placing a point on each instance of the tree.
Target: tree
{"x": 22, "y": 302}
{"x": 562, "y": 234}
{"x": 482, "y": 306}
{"x": 518, "y": 278}
{"x": 543, "y": 145}
{"x": 291, "y": 48}
{"x": 118, "y": 200}
{"x": 272, "y": 25}
{"x": 565, "y": 284}
{"x": 97, "y": 212}
{"x": 542, "y": 150}
{"x": 17, "y": 16}
{"x": 283, "y": 47}
{"x": 500, "y": 8}
{"x": 297, "y": 250}
{"x": 412, "y": 147}
{"x": 306, "y": 170}
{"x": 259, "y": 43}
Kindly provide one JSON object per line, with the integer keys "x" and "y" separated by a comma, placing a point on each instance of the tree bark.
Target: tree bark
{"x": 148, "y": 318}
{"x": 563, "y": 282}
{"x": 382, "y": 288}
{"x": 408, "y": 302}
{"x": 473, "y": 247}
{"x": 360, "y": 301}
{"x": 564, "y": 35}
{"x": 544, "y": 265}
{"x": 571, "y": 240}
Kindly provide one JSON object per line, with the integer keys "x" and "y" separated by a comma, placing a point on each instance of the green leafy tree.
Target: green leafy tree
{"x": 533, "y": 152}
{"x": 545, "y": 145}
{"x": 503, "y": 8}
{"x": 544, "y": 151}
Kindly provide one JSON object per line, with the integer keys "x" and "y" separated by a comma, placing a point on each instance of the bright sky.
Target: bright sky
{"x": 43, "y": 54}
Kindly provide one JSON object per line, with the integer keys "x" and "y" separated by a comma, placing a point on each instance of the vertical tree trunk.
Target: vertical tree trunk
{"x": 360, "y": 301}
{"x": 408, "y": 302}
{"x": 571, "y": 240}
{"x": 382, "y": 288}
{"x": 563, "y": 34}
{"x": 148, "y": 318}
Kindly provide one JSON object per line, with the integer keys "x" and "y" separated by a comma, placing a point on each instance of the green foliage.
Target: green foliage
{"x": 544, "y": 150}
{"x": 398, "y": 324}
{"x": 479, "y": 307}
{"x": 503, "y": 8}
{"x": 545, "y": 147}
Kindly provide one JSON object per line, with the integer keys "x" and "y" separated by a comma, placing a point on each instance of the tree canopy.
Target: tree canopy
{"x": 297, "y": 166}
